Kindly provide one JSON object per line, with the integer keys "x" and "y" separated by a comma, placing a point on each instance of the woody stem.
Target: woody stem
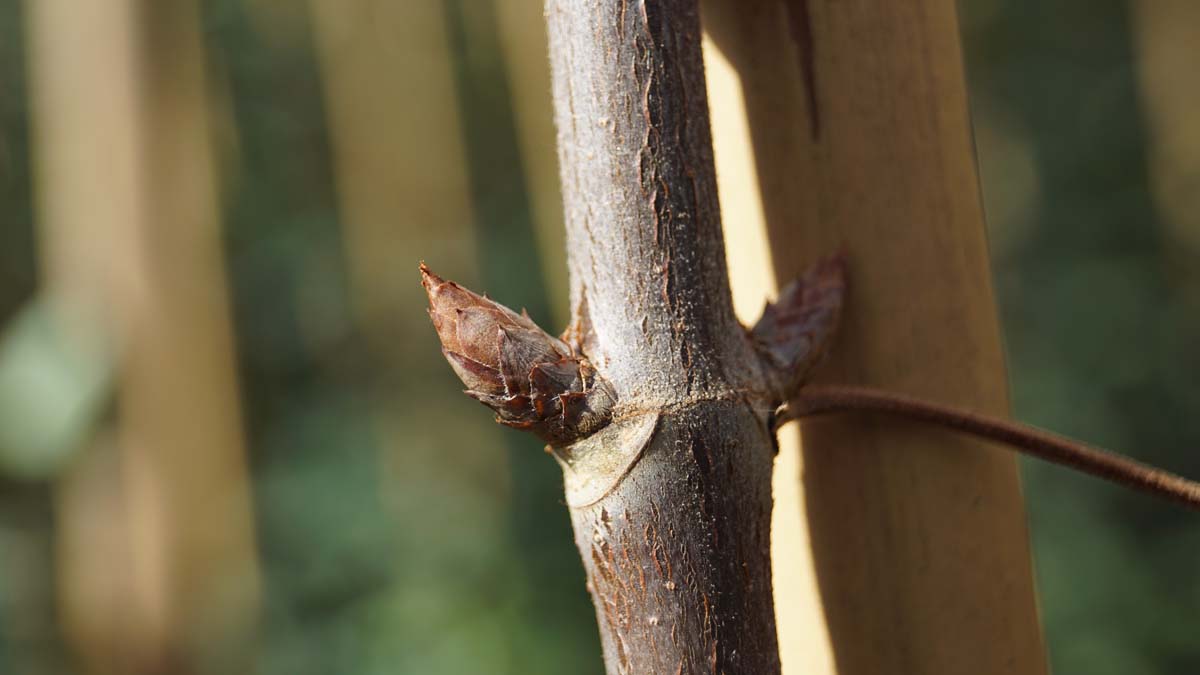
{"x": 822, "y": 400}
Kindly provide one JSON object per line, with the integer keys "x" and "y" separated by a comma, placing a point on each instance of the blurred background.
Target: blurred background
{"x": 228, "y": 443}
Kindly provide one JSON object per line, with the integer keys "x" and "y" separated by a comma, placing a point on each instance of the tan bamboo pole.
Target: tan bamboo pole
{"x": 523, "y": 42}
{"x": 803, "y": 640}
{"x": 858, "y": 116}
{"x": 128, "y": 209}
{"x": 85, "y": 128}
{"x": 403, "y": 194}
{"x": 399, "y": 163}
{"x": 1167, "y": 52}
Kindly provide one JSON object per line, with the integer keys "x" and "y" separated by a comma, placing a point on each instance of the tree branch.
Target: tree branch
{"x": 826, "y": 399}
{"x": 671, "y": 503}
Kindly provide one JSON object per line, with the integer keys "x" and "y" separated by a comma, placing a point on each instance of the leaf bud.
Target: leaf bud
{"x": 533, "y": 380}
{"x": 795, "y": 331}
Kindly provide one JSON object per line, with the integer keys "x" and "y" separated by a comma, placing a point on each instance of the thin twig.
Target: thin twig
{"x": 820, "y": 400}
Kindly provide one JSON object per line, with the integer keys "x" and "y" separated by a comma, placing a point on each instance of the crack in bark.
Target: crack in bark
{"x": 799, "y": 14}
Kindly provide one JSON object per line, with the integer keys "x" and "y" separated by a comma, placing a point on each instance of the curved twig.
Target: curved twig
{"x": 827, "y": 399}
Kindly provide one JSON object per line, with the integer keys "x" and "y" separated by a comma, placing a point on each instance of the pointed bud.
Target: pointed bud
{"x": 533, "y": 380}
{"x": 796, "y": 330}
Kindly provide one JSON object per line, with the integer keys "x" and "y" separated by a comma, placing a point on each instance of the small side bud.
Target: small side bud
{"x": 796, "y": 330}
{"x": 533, "y": 380}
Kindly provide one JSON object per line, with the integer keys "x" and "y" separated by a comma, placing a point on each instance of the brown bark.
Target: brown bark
{"x": 671, "y": 503}
{"x": 858, "y": 117}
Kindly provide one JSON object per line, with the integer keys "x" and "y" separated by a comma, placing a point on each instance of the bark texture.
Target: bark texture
{"x": 858, "y": 117}
{"x": 671, "y": 503}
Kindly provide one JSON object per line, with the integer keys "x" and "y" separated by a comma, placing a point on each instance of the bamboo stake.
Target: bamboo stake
{"x": 1167, "y": 52}
{"x": 803, "y": 640}
{"x": 523, "y": 41}
{"x": 127, "y": 203}
{"x": 399, "y": 166}
{"x": 859, "y": 122}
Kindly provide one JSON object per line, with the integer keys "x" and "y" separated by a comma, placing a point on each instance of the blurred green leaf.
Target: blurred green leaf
{"x": 54, "y": 384}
